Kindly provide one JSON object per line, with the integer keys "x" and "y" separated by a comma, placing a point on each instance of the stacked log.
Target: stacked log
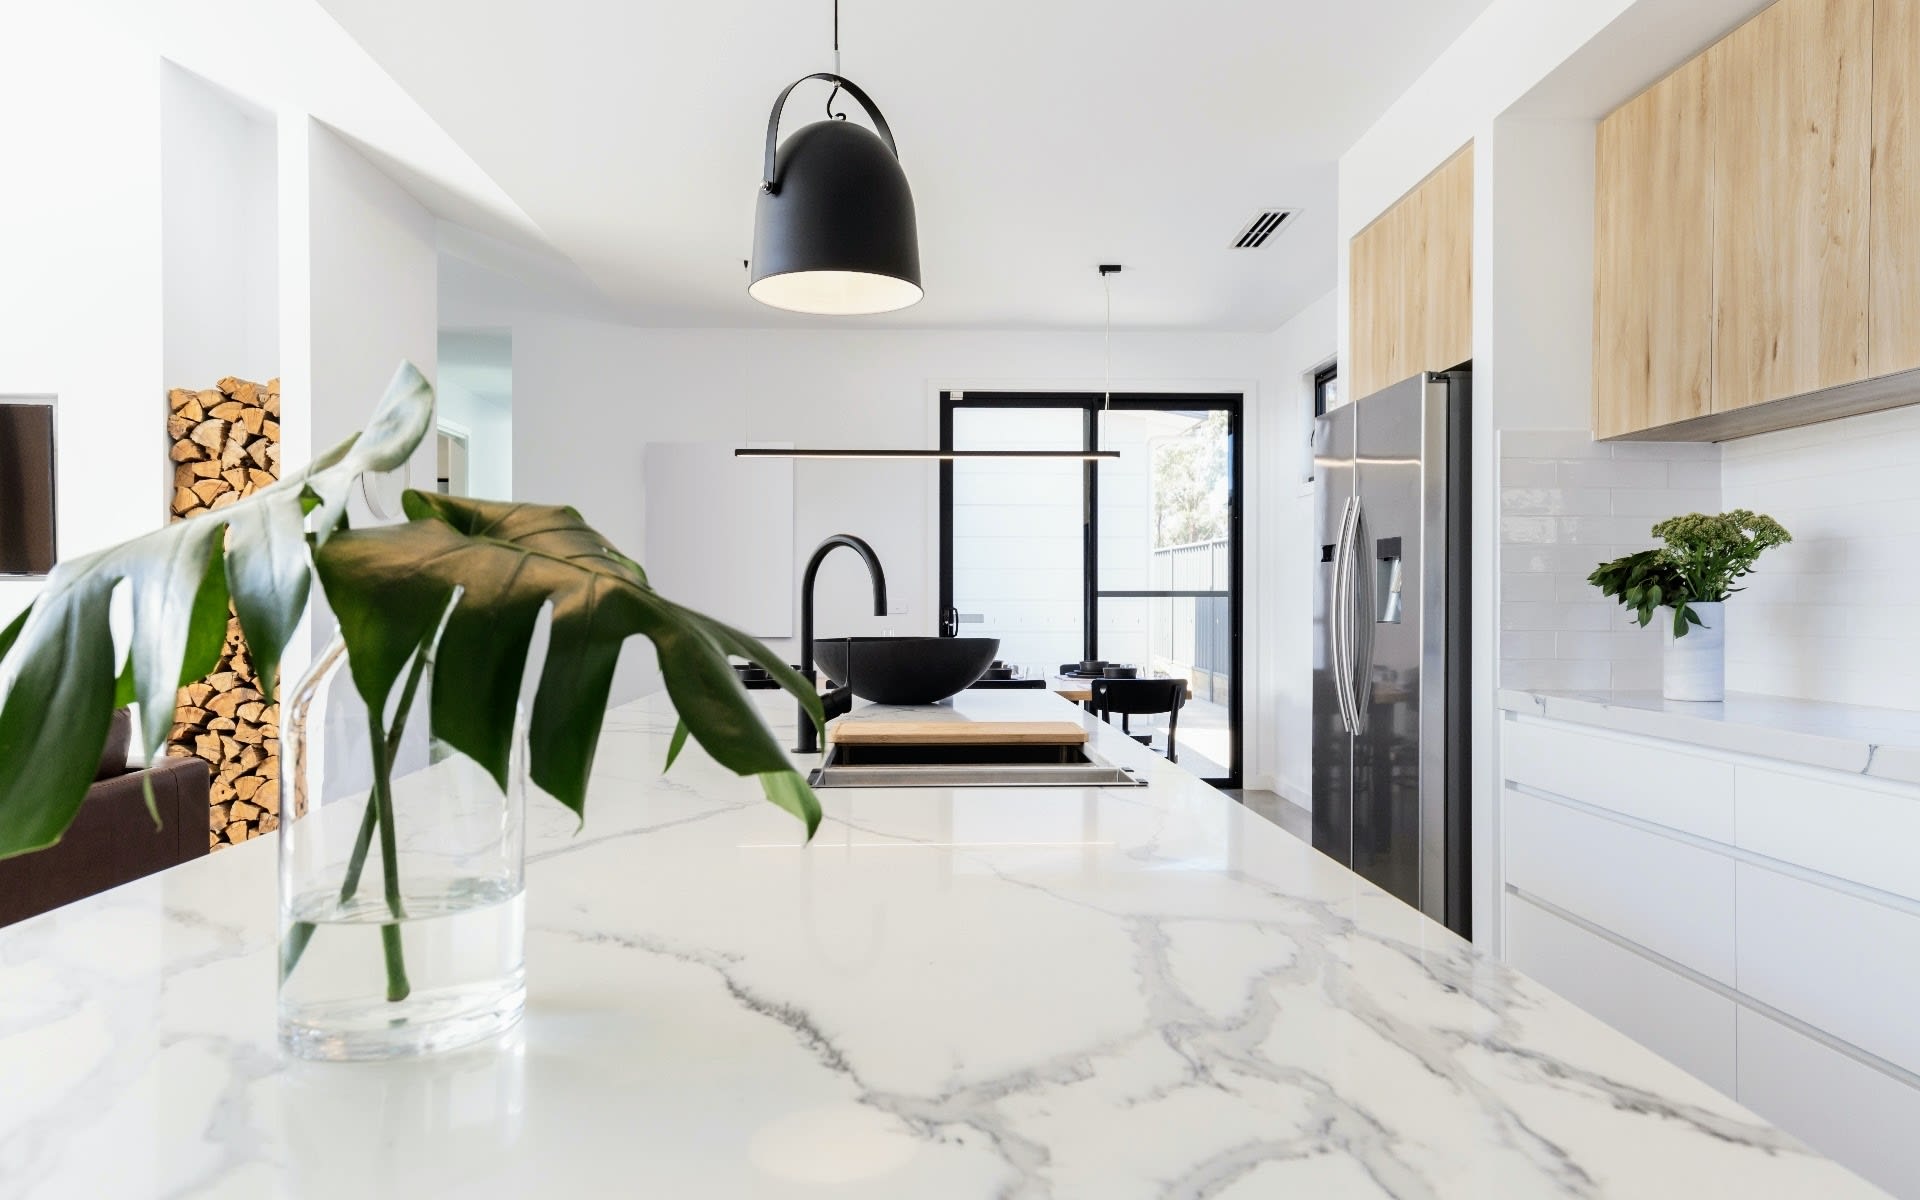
{"x": 226, "y": 446}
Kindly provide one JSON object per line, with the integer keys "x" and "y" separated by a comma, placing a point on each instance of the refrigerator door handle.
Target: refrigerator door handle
{"x": 1362, "y": 606}
{"x": 1340, "y": 614}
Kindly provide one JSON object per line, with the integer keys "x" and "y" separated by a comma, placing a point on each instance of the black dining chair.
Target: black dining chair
{"x": 1139, "y": 698}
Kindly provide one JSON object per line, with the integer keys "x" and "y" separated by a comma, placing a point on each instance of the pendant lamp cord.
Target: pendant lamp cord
{"x": 1106, "y": 281}
{"x": 835, "y": 93}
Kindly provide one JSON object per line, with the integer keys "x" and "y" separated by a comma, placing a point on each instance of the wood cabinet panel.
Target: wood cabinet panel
{"x": 1410, "y": 283}
{"x": 1895, "y": 215}
{"x": 1791, "y": 95}
{"x": 1445, "y": 254}
{"x": 1653, "y": 258}
{"x": 1377, "y": 304}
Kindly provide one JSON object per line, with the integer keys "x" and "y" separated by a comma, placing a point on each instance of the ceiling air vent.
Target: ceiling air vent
{"x": 1262, "y": 227}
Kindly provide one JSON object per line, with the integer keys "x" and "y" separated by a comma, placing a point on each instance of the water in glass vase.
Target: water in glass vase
{"x": 460, "y": 978}
{"x": 402, "y": 866}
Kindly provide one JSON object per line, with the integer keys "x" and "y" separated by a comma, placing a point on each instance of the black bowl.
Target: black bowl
{"x": 1116, "y": 671}
{"x": 1093, "y": 666}
{"x": 906, "y": 670}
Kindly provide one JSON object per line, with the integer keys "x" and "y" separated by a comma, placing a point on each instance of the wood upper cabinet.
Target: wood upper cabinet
{"x": 1410, "y": 283}
{"x": 1793, "y": 125}
{"x": 1653, "y": 258}
{"x": 1894, "y": 236}
{"x": 1788, "y": 155}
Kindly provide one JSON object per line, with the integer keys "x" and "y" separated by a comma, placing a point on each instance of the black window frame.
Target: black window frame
{"x": 1322, "y": 379}
{"x": 1092, "y": 404}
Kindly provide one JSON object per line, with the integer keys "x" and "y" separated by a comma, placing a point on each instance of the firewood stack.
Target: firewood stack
{"x": 226, "y": 445}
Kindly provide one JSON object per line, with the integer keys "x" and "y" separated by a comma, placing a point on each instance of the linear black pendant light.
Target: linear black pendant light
{"x": 834, "y": 232}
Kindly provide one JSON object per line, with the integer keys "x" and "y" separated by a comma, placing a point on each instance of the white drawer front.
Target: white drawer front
{"x": 1664, "y": 787}
{"x": 1689, "y": 1025}
{"x": 1847, "y": 966}
{"x": 1673, "y": 898}
{"x": 1860, "y": 1117}
{"x": 1865, "y": 832}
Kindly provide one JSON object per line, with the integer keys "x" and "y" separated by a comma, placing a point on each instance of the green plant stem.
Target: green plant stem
{"x": 302, "y": 931}
{"x": 397, "y": 985}
{"x": 363, "y": 841}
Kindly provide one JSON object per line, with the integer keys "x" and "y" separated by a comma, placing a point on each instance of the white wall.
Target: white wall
{"x": 1281, "y": 457}
{"x": 589, "y": 394}
{"x": 218, "y": 207}
{"x": 359, "y": 294}
{"x": 1835, "y": 615}
{"x": 80, "y": 240}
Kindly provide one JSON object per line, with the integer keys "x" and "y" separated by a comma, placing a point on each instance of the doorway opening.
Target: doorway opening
{"x": 1136, "y": 560}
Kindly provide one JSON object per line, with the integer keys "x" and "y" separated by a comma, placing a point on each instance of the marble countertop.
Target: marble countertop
{"x": 1066, "y": 992}
{"x": 1883, "y": 743}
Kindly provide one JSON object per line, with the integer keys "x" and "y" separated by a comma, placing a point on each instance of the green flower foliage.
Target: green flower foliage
{"x": 1705, "y": 555}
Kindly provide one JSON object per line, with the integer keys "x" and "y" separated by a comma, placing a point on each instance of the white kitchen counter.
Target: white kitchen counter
{"x": 968, "y": 992}
{"x": 1883, "y": 743}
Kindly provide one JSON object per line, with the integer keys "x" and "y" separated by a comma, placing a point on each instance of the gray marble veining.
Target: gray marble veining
{"x": 1056, "y": 992}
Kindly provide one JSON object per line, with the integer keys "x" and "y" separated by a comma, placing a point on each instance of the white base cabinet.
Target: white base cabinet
{"x": 1754, "y": 923}
{"x": 1851, "y": 1112}
{"x": 1685, "y": 1023}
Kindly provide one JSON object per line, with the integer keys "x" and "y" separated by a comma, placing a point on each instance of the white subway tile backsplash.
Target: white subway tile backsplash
{"x": 1660, "y": 503}
{"x": 1703, "y": 474}
{"x": 1666, "y": 451}
{"x": 1556, "y": 675}
{"x": 1836, "y": 615}
{"x": 1567, "y": 505}
{"x": 1610, "y": 473}
{"x": 1519, "y": 643}
{"x": 1555, "y": 501}
{"x": 1527, "y": 588}
{"x": 1638, "y": 675}
{"x": 1550, "y": 443}
{"x": 1529, "y": 473}
{"x": 1528, "y": 530}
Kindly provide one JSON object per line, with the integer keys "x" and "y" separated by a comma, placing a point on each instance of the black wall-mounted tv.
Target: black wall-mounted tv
{"x": 26, "y": 489}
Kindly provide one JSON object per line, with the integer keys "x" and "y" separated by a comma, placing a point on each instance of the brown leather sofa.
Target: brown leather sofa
{"x": 112, "y": 839}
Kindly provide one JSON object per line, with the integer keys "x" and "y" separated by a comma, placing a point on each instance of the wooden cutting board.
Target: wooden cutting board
{"x": 955, "y": 733}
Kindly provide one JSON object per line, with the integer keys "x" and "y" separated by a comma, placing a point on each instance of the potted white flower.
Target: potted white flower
{"x": 1693, "y": 574}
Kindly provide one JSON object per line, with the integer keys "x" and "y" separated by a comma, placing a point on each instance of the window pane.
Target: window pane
{"x": 1165, "y": 525}
{"x": 1019, "y": 534}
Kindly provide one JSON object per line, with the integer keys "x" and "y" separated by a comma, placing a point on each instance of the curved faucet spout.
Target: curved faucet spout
{"x": 809, "y": 741}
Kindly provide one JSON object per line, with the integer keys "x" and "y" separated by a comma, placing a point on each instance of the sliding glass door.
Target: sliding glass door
{"x": 1134, "y": 560}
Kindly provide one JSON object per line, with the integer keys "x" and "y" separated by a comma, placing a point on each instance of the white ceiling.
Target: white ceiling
{"x": 1041, "y": 137}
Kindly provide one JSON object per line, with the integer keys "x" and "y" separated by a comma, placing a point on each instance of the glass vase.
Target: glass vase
{"x": 402, "y": 868}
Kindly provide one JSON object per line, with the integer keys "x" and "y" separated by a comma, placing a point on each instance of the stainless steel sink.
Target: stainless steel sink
{"x": 968, "y": 766}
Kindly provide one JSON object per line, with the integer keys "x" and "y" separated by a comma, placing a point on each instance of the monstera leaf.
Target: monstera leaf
{"x": 497, "y": 565}
{"x": 57, "y": 660}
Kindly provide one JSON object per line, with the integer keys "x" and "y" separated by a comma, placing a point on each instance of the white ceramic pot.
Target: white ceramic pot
{"x": 1696, "y": 665}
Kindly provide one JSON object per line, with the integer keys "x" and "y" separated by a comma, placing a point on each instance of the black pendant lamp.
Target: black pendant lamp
{"x": 834, "y": 232}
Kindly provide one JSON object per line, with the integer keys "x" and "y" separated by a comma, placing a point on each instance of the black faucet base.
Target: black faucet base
{"x": 838, "y": 703}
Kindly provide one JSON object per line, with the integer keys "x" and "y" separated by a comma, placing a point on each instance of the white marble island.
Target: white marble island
{"x": 952, "y": 992}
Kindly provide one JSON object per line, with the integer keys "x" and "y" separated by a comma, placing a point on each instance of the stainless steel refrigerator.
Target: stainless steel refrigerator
{"x": 1391, "y": 784}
